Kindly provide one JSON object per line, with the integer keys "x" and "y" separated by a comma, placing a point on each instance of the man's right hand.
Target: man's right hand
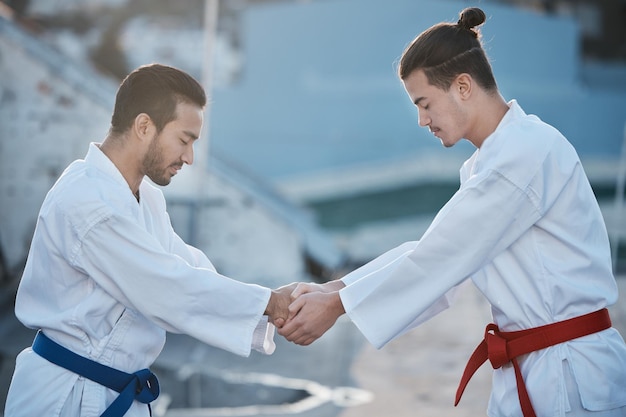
{"x": 278, "y": 306}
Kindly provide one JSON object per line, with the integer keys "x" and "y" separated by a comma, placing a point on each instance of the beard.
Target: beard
{"x": 153, "y": 165}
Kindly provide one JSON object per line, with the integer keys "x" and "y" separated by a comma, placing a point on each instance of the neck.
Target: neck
{"x": 489, "y": 113}
{"x": 127, "y": 160}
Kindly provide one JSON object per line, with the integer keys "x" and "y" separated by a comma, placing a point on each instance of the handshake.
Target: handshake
{"x": 303, "y": 312}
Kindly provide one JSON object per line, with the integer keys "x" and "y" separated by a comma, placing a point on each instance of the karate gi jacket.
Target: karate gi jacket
{"x": 526, "y": 228}
{"x": 106, "y": 277}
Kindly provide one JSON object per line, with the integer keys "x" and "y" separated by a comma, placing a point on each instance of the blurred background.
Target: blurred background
{"x": 311, "y": 161}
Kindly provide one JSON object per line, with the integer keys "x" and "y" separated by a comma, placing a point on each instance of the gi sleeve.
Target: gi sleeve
{"x": 133, "y": 267}
{"x": 379, "y": 262}
{"x": 263, "y": 337}
{"x": 481, "y": 220}
{"x": 382, "y": 261}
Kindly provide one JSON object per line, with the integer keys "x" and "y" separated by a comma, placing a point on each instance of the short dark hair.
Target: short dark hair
{"x": 446, "y": 50}
{"x": 155, "y": 90}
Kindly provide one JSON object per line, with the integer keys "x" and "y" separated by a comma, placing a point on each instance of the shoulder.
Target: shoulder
{"x": 529, "y": 134}
{"x": 83, "y": 197}
{"x": 524, "y": 147}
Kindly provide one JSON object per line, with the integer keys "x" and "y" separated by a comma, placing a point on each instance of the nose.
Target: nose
{"x": 422, "y": 119}
{"x": 188, "y": 155}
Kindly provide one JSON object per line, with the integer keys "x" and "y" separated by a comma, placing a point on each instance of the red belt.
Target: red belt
{"x": 504, "y": 347}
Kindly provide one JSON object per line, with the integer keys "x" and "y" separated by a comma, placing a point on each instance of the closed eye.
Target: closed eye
{"x": 188, "y": 137}
{"x": 419, "y": 102}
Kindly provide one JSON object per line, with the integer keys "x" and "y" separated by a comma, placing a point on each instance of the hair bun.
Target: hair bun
{"x": 471, "y": 17}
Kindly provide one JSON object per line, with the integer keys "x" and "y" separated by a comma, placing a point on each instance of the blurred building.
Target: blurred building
{"x": 306, "y": 98}
{"x": 317, "y": 107}
{"x": 602, "y": 24}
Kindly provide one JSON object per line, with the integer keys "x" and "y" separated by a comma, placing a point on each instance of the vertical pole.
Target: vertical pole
{"x": 201, "y": 147}
{"x": 211, "y": 9}
{"x": 620, "y": 182}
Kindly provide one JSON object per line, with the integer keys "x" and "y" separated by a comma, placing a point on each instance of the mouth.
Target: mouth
{"x": 175, "y": 168}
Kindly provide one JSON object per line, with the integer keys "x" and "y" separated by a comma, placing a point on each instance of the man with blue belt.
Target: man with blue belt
{"x": 107, "y": 277}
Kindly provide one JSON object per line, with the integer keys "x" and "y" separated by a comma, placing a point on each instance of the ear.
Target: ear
{"x": 463, "y": 85}
{"x": 144, "y": 127}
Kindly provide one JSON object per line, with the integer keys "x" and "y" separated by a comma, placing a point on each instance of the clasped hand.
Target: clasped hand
{"x": 303, "y": 312}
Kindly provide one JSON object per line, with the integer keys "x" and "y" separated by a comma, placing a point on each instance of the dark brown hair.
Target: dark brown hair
{"x": 155, "y": 90}
{"x": 446, "y": 50}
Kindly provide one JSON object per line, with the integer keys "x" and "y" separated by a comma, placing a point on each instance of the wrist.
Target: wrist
{"x": 337, "y": 304}
{"x": 270, "y": 304}
{"x": 335, "y": 285}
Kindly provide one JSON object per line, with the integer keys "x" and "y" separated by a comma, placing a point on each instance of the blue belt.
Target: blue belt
{"x": 142, "y": 386}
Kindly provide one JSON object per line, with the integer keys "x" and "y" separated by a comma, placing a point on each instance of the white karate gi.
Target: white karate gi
{"x": 526, "y": 228}
{"x": 106, "y": 277}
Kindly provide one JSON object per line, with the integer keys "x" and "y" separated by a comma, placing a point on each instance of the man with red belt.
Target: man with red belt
{"x": 524, "y": 226}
